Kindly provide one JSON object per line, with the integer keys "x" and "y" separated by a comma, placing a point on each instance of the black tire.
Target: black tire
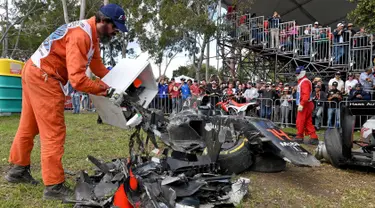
{"x": 231, "y": 111}
{"x": 268, "y": 163}
{"x": 333, "y": 142}
{"x": 236, "y": 159}
{"x": 347, "y": 126}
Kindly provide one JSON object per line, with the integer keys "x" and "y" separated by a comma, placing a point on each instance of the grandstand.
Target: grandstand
{"x": 252, "y": 44}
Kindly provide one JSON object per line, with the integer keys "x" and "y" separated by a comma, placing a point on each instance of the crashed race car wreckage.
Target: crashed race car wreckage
{"x": 339, "y": 148}
{"x": 202, "y": 153}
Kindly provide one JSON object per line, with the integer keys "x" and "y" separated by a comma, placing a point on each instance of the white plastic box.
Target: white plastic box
{"x": 120, "y": 78}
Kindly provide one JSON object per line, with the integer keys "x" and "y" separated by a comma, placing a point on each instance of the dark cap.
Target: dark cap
{"x": 195, "y": 81}
{"x": 338, "y": 73}
{"x": 117, "y": 15}
{"x": 357, "y": 85}
{"x": 335, "y": 84}
{"x": 172, "y": 79}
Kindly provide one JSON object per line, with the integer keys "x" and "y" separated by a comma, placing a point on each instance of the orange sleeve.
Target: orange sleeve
{"x": 77, "y": 47}
{"x": 96, "y": 65}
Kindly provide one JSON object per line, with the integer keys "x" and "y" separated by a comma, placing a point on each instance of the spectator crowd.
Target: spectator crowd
{"x": 275, "y": 99}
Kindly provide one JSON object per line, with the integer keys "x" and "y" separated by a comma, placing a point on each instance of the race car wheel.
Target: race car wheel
{"x": 268, "y": 163}
{"x": 333, "y": 142}
{"x": 235, "y": 157}
{"x": 347, "y": 126}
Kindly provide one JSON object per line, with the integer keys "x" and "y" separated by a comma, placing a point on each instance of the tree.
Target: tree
{"x": 190, "y": 71}
{"x": 65, "y": 9}
{"x": 363, "y": 14}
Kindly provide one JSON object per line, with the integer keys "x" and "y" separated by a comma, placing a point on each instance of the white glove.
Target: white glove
{"x": 300, "y": 108}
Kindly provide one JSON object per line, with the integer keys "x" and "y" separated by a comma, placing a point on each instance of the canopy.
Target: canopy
{"x": 326, "y": 12}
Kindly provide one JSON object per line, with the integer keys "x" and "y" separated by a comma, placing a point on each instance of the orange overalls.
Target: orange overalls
{"x": 63, "y": 56}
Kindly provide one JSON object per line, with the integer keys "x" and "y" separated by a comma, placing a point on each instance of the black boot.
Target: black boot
{"x": 299, "y": 140}
{"x": 313, "y": 141}
{"x": 99, "y": 121}
{"x": 20, "y": 174}
{"x": 57, "y": 192}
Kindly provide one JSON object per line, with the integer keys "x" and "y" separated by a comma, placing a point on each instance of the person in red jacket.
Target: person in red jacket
{"x": 305, "y": 109}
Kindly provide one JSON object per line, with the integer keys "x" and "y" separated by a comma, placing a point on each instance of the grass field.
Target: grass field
{"x": 323, "y": 186}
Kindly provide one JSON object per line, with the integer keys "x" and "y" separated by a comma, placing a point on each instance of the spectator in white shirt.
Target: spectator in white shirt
{"x": 251, "y": 93}
{"x": 350, "y": 83}
{"x": 337, "y": 78}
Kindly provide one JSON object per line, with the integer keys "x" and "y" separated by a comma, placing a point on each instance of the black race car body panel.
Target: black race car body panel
{"x": 185, "y": 134}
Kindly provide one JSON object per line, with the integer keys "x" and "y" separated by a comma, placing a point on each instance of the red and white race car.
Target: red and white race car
{"x": 367, "y": 129}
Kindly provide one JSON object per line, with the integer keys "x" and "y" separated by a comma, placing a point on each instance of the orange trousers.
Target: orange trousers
{"x": 42, "y": 113}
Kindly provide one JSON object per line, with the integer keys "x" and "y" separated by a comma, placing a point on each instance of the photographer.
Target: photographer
{"x": 319, "y": 97}
{"x": 335, "y": 96}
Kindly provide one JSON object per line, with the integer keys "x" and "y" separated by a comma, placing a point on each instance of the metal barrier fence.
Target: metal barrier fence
{"x": 257, "y": 31}
{"x": 354, "y": 51}
{"x": 321, "y": 44}
{"x": 341, "y": 48}
{"x": 303, "y": 41}
{"x": 361, "y": 52}
{"x": 286, "y": 34}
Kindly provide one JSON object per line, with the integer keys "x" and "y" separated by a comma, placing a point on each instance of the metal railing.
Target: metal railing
{"x": 303, "y": 41}
{"x": 287, "y": 33}
{"x": 361, "y": 52}
{"x": 320, "y": 45}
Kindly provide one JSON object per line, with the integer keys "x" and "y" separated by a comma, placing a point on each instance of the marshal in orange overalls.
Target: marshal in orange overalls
{"x": 63, "y": 56}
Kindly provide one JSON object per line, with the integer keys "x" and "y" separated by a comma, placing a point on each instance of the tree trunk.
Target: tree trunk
{"x": 106, "y": 2}
{"x": 17, "y": 40}
{"x": 65, "y": 9}
{"x": 124, "y": 45}
{"x": 208, "y": 59}
{"x": 201, "y": 56}
{"x": 5, "y": 43}
{"x": 82, "y": 10}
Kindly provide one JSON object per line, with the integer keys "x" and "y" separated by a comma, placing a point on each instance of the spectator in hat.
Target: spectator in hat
{"x": 267, "y": 99}
{"x": 340, "y": 83}
{"x": 334, "y": 96}
{"x": 319, "y": 97}
{"x": 357, "y": 93}
{"x": 351, "y": 29}
{"x": 338, "y": 37}
{"x": 286, "y": 105}
{"x": 315, "y": 30}
{"x": 350, "y": 83}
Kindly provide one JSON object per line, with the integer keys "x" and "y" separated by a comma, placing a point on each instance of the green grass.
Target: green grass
{"x": 322, "y": 186}
{"x": 84, "y": 137}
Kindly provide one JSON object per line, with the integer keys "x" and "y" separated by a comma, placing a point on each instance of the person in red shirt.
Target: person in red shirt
{"x": 174, "y": 91}
{"x": 305, "y": 109}
{"x": 194, "y": 88}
